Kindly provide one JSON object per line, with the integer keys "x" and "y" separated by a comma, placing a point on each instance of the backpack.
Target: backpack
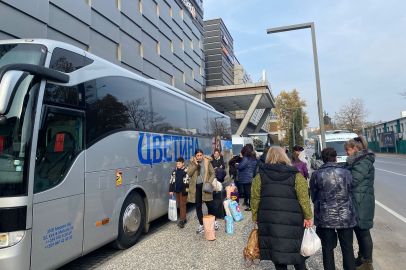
{"x": 260, "y": 163}
{"x": 251, "y": 251}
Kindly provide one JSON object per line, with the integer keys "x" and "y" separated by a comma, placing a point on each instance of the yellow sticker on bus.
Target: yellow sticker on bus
{"x": 119, "y": 178}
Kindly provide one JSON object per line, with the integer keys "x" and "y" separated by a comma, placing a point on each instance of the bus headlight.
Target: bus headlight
{"x": 11, "y": 238}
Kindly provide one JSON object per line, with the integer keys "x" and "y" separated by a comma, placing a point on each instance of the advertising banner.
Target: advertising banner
{"x": 387, "y": 139}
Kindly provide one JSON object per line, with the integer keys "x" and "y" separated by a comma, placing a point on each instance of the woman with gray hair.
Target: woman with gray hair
{"x": 280, "y": 206}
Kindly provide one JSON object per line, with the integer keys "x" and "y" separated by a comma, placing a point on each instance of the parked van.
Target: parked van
{"x": 335, "y": 139}
{"x": 239, "y": 142}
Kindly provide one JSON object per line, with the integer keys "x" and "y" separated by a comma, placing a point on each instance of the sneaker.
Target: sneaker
{"x": 216, "y": 225}
{"x": 200, "y": 229}
{"x": 248, "y": 209}
{"x": 181, "y": 224}
{"x": 185, "y": 221}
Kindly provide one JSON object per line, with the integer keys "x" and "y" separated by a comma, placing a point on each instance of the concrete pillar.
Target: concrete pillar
{"x": 262, "y": 120}
{"x": 248, "y": 116}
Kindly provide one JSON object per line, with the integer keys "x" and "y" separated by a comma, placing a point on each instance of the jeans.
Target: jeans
{"x": 199, "y": 204}
{"x": 247, "y": 193}
{"x": 301, "y": 266}
{"x": 364, "y": 242}
{"x": 182, "y": 205}
{"x": 328, "y": 239}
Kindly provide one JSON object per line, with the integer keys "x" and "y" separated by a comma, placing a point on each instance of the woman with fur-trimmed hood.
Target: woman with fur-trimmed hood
{"x": 201, "y": 171}
{"x": 360, "y": 163}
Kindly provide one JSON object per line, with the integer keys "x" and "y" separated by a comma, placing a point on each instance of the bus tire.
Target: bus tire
{"x": 131, "y": 222}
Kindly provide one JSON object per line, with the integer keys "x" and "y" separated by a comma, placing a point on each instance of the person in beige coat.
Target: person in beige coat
{"x": 201, "y": 171}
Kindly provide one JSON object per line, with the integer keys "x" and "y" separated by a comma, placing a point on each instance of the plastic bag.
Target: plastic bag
{"x": 226, "y": 208}
{"x": 217, "y": 186}
{"x": 229, "y": 189}
{"x": 208, "y": 224}
{"x": 311, "y": 243}
{"x": 172, "y": 210}
{"x": 229, "y": 226}
{"x": 235, "y": 210}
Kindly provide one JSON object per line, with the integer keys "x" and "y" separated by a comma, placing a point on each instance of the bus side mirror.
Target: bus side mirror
{"x": 8, "y": 84}
{"x": 3, "y": 120}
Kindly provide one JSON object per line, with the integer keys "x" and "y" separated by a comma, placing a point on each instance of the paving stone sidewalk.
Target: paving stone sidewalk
{"x": 176, "y": 248}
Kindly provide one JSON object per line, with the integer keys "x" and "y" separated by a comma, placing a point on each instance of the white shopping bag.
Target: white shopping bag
{"x": 311, "y": 243}
{"x": 172, "y": 210}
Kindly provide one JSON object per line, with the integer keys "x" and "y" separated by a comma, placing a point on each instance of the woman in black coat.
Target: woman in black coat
{"x": 218, "y": 165}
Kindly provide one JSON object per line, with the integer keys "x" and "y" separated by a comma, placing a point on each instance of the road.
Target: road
{"x": 389, "y": 232}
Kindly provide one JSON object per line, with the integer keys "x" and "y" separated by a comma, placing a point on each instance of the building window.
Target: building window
{"x": 182, "y": 45}
{"x": 170, "y": 11}
{"x": 157, "y": 9}
{"x": 200, "y": 70}
{"x": 118, "y": 4}
{"x": 181, "y": 13}
{"x": 199, "y": 43}
{"x": 183, "y": 77}
{"x": 191, "y": 44}
{"x": 158, "y": 47}
{"x": 402, "y": 128}
{"x": 193, "y": 73}
{"x": 140, "y": 6}
{"x": 173, "y": 81}
{"x": 171, "y": 46}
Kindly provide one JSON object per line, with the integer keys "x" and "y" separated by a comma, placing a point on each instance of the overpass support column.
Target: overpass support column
{"x": 248, "y": 116}
{"x": 262, "y": 120}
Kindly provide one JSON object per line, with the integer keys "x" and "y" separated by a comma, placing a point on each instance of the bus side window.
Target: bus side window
{"x": 55, "y": 154}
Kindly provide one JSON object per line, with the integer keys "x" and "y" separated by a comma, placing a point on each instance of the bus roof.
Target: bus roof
{"x": 338, "y": 137}
{"x": 103, "y": 68}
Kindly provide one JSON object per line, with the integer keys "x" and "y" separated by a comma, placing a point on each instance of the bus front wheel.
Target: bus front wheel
{"x": 132, "y": 219}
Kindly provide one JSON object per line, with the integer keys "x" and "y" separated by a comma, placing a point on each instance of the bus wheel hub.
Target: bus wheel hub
{"x": 131, "y": 218}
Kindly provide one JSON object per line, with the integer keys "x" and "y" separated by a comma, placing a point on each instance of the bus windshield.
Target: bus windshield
{"x": 338, "y": 146}
{"x": 260, "y": 141}
{"x": 22, "y": 53}
{"x": 15, "y": 139}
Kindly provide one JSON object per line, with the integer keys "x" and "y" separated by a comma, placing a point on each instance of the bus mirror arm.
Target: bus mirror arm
{"x": 44, "y": 72}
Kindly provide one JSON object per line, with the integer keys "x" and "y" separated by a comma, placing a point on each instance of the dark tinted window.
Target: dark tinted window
{"x": 67, "y": 61}
{"x": 197, "y": 120}
{"x": 169, "y": 112}
{"x": 71, "y": 95}
{"x": 113, "y": 103}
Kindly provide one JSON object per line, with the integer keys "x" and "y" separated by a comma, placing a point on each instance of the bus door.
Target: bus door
{"x": 58, "y": 202}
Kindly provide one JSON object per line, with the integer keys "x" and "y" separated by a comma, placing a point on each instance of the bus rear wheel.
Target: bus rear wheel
{"x": 132, "y": 220}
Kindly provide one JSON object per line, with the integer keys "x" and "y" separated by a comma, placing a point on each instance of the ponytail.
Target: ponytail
{"x": 360, "y": 142}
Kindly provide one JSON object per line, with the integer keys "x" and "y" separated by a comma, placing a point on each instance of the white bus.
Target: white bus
{"x": 334, "y": 139}
{"x": 86, "y": 151}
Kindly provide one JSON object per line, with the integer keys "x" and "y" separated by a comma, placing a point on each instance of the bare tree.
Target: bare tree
{"x": 351, "y": 115}
{"x": 141, "y": 116}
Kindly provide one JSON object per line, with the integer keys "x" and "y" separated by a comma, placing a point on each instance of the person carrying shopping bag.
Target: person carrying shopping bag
{"x": 200, "y": 172}
{"x": 179, "y": 184}
{"x": 331, "y": 189}
{"x": 280, "y": 206}
{"x": 360, "y": 162}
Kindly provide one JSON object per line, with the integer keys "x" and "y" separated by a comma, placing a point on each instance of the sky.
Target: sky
{"x": 361, "y": 46}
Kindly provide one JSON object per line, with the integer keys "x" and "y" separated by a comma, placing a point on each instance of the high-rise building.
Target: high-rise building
{"x": 159, "y": 39}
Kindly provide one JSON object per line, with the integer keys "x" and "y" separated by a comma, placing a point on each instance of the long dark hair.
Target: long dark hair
{"x": 246, "y": 152}
{"x": 295, "y": 158}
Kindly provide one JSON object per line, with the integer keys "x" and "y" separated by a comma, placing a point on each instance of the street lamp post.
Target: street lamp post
{"x": 316, "y": 68}
{"x": 301, "y": 112}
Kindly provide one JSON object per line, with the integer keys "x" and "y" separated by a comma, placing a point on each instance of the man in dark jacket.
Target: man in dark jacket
{"x": 331, "y": 189}
{"x": 218, "y": 165}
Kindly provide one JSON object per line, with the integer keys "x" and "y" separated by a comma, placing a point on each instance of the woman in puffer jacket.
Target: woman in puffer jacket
{"x": 331, "y": 189}
{"x": 302, "y": 155}
{"x": 246, "y": 173}
{"x": 360, "y": 162}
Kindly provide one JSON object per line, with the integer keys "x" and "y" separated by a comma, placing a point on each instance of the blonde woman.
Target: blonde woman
{"x": 280, "y": 206}
{"x": 360, "y": 162}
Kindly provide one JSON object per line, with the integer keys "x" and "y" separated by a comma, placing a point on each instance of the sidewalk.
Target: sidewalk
{"x": 176, "y": 248}
{"x": 390, "y": 155}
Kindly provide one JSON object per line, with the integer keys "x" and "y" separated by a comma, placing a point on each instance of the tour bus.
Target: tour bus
{"x": 335, "y": 139}
{"x": 261, "y": 140}
{"x": 86, "y": 151}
